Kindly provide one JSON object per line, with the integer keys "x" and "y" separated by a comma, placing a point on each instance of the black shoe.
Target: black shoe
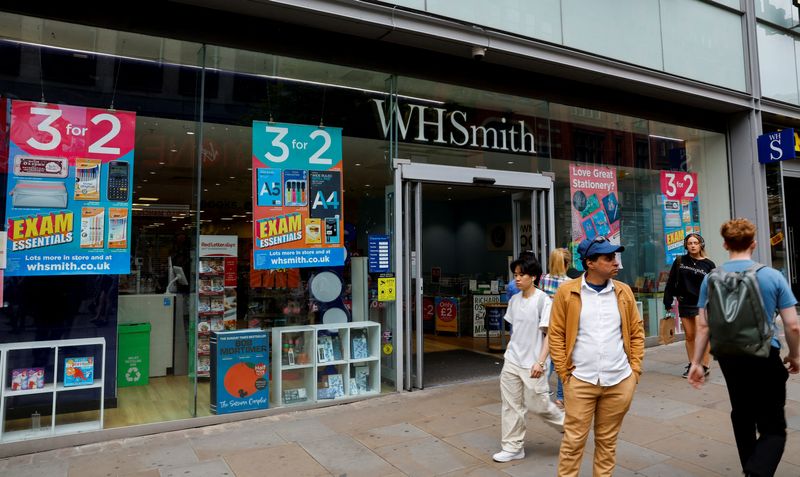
{"x": 686, "y": 371}
{"x": 706, "y": 370}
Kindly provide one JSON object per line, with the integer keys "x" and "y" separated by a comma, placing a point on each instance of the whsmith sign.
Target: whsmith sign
{"x": 440, "y": 126}
{"x": 777, "y": 146}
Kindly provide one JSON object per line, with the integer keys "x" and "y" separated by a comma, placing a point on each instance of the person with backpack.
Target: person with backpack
{"x": 685, "y": 277}
{"x": 737, "y": 304}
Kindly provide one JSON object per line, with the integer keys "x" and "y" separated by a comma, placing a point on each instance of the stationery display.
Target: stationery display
{"x": 216, "y": 308}
{"x": 297, "y": 185}
{"x": 68, "y": 193}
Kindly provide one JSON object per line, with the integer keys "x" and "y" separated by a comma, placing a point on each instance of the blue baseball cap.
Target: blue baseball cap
{"x": 599, "y": 245}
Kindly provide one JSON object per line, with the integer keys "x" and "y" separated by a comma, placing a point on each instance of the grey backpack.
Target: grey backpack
{"x": 736, "y": 320}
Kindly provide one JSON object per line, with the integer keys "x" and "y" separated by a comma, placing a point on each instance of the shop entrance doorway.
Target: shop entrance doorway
{"x": 791, "y": 190}
{"x": 458, "y": 228}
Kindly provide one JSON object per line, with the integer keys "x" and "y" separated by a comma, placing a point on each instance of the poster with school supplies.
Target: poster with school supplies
{"x": 297, "y": 182}
{"x": 68, "y": 195}
{"x": 680, "y": 206}
{"x": 594, "y": 203}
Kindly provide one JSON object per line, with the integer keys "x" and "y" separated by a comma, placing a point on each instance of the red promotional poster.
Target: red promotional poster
{"x": 676, "y": 185}
{"x": 595, "y": 204}
{"x": 68, "y": 198}
{"x": 447, "y": 314}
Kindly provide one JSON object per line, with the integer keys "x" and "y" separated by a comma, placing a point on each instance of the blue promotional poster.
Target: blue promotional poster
{"x": 239, "y": 367}
{"x": 680, "y": 211}
{"x": 297, "y": 182}
{"x": 68, "y": 199}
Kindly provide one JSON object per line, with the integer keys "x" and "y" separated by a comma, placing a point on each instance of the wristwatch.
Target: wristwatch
{"x": 541, "y": 363}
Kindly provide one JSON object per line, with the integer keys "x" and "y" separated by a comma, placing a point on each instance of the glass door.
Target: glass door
{"x": 457, "y": 233}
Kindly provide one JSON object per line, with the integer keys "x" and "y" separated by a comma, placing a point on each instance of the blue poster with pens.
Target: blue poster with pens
{"x": 297, "y": 182}
{"x": 68, "y": 197}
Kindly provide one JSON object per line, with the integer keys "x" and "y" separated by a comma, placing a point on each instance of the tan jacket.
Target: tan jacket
{"x": 564, "y": 318}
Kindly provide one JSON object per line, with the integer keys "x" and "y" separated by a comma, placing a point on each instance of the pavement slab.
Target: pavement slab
{"x": 672, "y": 430}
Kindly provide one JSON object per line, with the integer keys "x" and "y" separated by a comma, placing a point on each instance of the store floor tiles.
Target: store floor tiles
{"x": 671, "y": 430}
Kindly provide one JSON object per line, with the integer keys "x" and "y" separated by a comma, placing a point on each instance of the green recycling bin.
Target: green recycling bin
{"x": 133, "y": 355}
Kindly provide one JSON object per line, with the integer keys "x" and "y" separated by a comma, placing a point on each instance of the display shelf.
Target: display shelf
{"x": 48, "y": 388}
{"x": 53, "y": 386}
{"x": 60, "y": 387}
{"x": 353, "y": 345}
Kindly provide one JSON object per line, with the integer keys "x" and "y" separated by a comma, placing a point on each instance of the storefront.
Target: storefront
{"x": 243, "y": 170}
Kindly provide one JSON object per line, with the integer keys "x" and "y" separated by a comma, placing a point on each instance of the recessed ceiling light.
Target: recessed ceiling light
{"x": 217, "y": 183}
{"x": 153, "y": 199}
{"x": 191, "y": 133}
{"x": 367, "y": 185}
{"x": 152, "y": 173}
{"x": 358, "y": 163}
{"x": 161, "y": 163}
{"x": 226, "y": 218}
{"x": 249, "y": 213}
{"x": 173, "y": 150}
{"x": 204, "y": 190}
{"x": 144, "y": 180}
{"x": 449, "y": 188}
{"x": 231, "y": 177}
{"x": 510, "y": 162}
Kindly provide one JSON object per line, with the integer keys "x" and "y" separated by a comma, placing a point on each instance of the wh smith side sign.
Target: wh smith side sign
{"x": 777, "y": 146}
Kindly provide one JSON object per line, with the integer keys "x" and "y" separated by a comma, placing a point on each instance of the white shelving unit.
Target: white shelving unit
{"x": 299, "y": 365}
{"x": 52, "y": 386}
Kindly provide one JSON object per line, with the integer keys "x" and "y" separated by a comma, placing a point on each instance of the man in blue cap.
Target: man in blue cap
{"x": 596, "y": 342}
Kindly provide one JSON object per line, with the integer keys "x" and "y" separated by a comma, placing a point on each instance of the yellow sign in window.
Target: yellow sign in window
{"x": 386, "y": 289}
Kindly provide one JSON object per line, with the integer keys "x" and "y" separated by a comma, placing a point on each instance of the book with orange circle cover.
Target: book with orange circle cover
{"x": 239, "y": 371}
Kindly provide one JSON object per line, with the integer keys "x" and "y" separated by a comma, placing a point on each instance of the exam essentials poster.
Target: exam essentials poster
{"x": 68, "y": 199}
{"x": 297, "y": 185}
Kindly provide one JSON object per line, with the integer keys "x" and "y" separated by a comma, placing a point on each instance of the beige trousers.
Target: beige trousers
{"x": 608, "y": 406}
{"x": 520, "y": 392}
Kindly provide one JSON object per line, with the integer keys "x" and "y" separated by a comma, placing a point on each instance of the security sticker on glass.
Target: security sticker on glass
{"x": 269, "y": 187}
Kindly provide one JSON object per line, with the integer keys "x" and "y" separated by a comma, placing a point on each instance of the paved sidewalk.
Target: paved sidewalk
{"x": 671, "y": 430}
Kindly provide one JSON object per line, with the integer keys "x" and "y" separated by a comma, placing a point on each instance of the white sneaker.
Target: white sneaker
{"x": 505, "y": 456}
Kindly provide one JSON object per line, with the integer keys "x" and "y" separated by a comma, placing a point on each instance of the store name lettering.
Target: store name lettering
{"x": 281, "y": 229}
{"x": 511, "y": 137}
{"x": 40, "y": 231}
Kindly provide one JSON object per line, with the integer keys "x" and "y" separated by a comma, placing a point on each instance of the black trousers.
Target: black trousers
{"x": 757, "y": 389}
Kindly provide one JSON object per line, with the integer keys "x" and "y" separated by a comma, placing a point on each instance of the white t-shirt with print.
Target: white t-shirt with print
{"x": 530, "y": 318}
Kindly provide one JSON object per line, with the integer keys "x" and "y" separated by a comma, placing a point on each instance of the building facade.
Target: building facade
{"x": 415, "y": 146}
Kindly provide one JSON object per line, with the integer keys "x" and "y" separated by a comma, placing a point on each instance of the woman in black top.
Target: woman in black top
{"x": 684, "y": 281}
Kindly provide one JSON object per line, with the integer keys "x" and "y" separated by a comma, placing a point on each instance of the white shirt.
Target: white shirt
{"x": 529, "y": 317}
{"x": 599, "y": 355}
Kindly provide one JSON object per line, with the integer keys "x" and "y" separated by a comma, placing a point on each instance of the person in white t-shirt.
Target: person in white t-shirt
{"x": 523, "y": 380}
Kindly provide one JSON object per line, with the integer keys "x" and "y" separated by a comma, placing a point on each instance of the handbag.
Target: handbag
{"x": 666, "y": 330}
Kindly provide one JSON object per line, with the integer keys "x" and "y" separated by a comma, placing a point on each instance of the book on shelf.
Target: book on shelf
{"x": 360, "y": 349}
{"x": 78, "y": 371}
{"x": 324, "y": 348}
{"x": 336, "y": 346}
{"x": 361, "y": 378}
{"x": 239, "y": 371}
{"x": 332, "y": 387}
